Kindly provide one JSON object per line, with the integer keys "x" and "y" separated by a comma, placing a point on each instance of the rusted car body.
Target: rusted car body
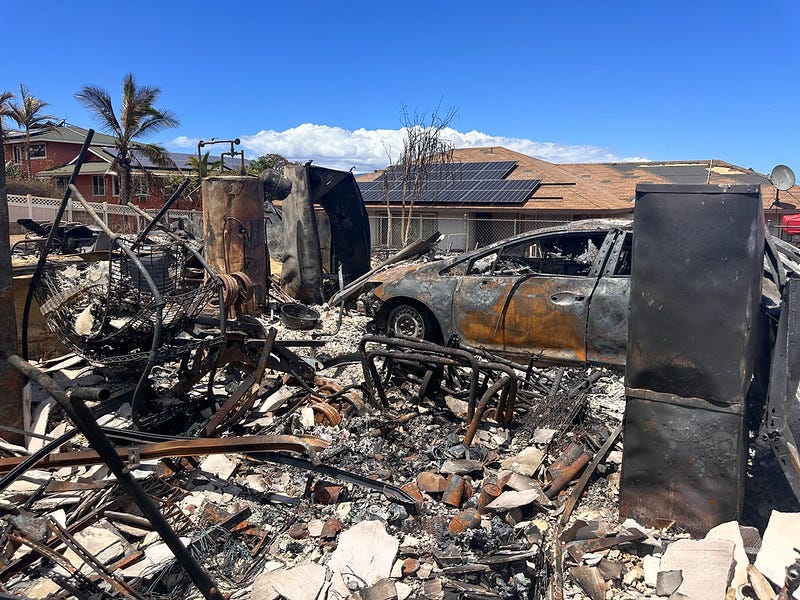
{"x": 559, "y": 293}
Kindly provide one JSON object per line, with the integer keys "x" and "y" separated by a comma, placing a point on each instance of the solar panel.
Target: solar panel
{"x": 454, "y": 184}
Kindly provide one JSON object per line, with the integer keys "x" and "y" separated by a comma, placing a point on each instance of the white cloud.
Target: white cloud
{"x": 184, "y": 142}
{"x": 371, "y": 149}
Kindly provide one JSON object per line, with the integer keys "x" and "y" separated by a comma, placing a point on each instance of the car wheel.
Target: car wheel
{"x": 411, "y": 321}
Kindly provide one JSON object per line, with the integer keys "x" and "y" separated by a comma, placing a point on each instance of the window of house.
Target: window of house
{"x": 115, "y": 185}
{"x": 17, "y": 155}
{"x": 98, "y": 185}
{"x": 423, "y": 226}
{"x": 38, "y": 151}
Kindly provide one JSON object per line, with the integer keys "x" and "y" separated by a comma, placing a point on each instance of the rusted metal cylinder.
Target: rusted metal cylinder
{"x": 233, "y": 225}
{"x": 454, "y": 492}
{"x": 466, "y": 519}
{"x": 489, "y": 492}
{"x": 566, "y": 468}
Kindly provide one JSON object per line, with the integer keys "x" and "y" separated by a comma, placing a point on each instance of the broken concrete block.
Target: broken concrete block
{"x": 706, "y": 566}
{"x": 730, "y": 531}
{"x": 777, "y": 548}
{"x": 668, "y": 582}
{"x": 651, "y": 565}
{"x": 365, "y": 551}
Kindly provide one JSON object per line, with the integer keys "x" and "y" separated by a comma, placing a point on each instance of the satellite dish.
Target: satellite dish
{"x": 782, "y": 177}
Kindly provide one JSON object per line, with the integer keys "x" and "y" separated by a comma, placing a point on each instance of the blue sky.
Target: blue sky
{"x": 566, "y": 81}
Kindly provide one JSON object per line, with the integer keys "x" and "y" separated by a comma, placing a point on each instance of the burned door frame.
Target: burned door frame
{"x": 607, "y": 323}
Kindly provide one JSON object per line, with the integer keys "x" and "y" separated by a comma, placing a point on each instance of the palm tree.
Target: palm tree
{"x": 5, "y": 110}
{"x": 200, "y": 166}
{"x": 137, "y": 118}
{"x": 28, "y": 115}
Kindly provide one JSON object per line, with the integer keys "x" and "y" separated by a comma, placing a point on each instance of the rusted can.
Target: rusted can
{"x": 410, "y": 566}
{"x": 469, "y": 518}
{"x": 454, "y": 491}
{"x": 489, "y": 492}
{"x": 428, "y": 481}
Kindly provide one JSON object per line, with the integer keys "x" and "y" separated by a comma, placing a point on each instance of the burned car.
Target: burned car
{"x": 560, "y": 293}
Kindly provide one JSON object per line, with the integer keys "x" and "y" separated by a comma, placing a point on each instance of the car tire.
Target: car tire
{"x": 413, "y": 322}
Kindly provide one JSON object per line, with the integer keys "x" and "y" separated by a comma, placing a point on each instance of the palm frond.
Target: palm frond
{"x": 98, "y": 102}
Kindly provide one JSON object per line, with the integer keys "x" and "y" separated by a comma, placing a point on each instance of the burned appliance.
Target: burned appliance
{"x": 320, "y": 243}
{"x": 233, "y": 227}
{"x": 698, "y": 255}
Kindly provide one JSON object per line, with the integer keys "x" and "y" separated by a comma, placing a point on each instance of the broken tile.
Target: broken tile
{"x": 777, "y": 547}
{"x": 509, "y": 500}
{"x": 668, "y": 582}
{"x": 366, "y": 551}
{"x": 219, "y": 465}
{"x": 526, "y": 462}
{"x": 543, "y": 435}
{"x": 403, "y": 590}
{"x": 302, "y": 582}
{"x": 706, "y": 566}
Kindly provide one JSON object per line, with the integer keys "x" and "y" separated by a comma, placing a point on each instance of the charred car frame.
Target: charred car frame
{"x": 560, "y": 293}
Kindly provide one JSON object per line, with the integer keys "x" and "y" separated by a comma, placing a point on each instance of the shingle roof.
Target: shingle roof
{"x": 611, "y": 187}
{"x": 71, "y": 134}
{"x": 620, "y": 179}
{"x": 559, "y": 190}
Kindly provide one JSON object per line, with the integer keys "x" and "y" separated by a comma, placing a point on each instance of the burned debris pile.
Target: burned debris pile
{"x": 211, "y": 435}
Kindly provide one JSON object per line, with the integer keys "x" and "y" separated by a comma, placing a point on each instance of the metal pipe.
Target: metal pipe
{"x": 481, "y": 408}
{"x": 37, "y": 274}
{"x": 160, "y": 215}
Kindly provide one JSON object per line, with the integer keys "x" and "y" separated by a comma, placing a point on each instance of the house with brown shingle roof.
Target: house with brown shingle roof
{"x": 548, "y": 193}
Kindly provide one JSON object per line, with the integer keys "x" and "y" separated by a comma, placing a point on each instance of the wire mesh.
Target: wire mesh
{"x": 106, "y": 312}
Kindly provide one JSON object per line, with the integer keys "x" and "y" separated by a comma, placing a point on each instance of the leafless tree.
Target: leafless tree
{"x": 423, "y": 146}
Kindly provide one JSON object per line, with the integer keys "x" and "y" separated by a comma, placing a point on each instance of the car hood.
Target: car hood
{"x": 396, "y": 272}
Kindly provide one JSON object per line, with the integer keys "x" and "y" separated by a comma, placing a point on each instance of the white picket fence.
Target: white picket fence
{"x": 45, "y": 209}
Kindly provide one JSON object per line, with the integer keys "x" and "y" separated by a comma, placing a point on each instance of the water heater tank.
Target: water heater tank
{"x": 233, "y": 224}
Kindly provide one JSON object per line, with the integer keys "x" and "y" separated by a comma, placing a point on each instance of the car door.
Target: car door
{"x": 607, "y": 324}
{"x": 546, "y": 311}
{"x": 478, "y": 302}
